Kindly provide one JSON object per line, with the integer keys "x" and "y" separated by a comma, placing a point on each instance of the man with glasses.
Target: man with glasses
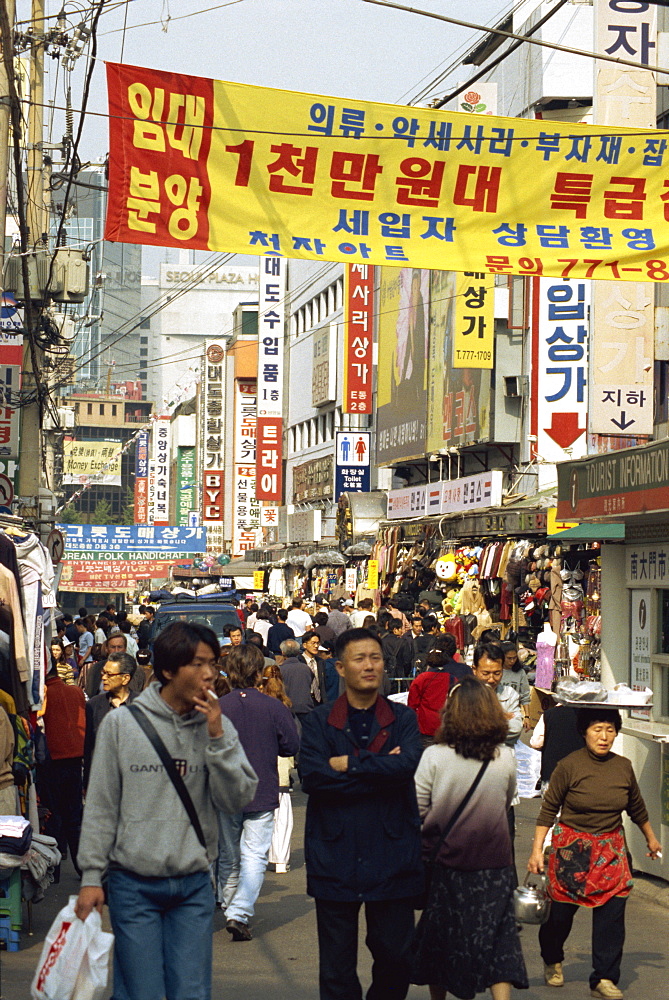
{"x": 117, "y": 673}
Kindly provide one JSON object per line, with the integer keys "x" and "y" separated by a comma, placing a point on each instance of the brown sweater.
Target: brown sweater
{"x": 593, "y": 793}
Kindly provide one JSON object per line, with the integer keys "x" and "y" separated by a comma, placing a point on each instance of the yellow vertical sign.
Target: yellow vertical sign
{"x": 373, "y": 574}
{"x": 474, "y": 328}
{"x": 258, "y": 579}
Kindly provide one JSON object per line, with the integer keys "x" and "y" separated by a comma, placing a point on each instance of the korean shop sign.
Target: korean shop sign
{"x": 271, "y": 332}
{"x": 358, "y": 335}
{"x": 474, "y": 332}
{"x": 205, "y": 164}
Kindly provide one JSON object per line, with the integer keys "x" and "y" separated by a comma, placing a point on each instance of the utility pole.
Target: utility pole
{"x": 30, "y": 465}
{"x": 4, "y": 139}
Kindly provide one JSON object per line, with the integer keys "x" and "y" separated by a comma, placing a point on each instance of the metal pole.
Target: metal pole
{"x": 4, "y": 140}
{"x": 29, "y": 473}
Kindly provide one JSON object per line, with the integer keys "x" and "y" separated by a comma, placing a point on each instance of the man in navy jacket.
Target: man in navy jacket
{"x": 266, "y": 730}
{"x": 362, "y": 837}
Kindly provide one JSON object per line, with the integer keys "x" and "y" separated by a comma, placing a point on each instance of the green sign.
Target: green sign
{"x": 185, "y": 499}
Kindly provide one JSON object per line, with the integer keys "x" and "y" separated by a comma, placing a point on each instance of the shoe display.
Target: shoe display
{"x": 238, "y": 930}
{"x": 553, "y": 974}
{"x": 605, "y": 988}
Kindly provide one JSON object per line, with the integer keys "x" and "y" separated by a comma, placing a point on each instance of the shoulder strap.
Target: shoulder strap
{"x": 458, "y": 812}
{"x": 154, "y": 739}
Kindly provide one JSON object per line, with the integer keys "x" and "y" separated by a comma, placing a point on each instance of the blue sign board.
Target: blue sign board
{"x": 352, "y": 462}
{"x": 164, "y": 541}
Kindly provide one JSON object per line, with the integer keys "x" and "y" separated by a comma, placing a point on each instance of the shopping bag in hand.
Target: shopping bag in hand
{"x": 74, "y": 959}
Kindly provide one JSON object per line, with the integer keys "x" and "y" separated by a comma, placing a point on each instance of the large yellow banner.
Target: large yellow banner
{"x": 205, "y": 164}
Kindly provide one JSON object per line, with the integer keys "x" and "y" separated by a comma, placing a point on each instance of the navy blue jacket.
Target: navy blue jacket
{"x": 362, "y": 836}
{"x": 266, "y": 730}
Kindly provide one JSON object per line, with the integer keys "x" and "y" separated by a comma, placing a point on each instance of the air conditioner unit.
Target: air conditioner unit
{"x": 516, "y": 386}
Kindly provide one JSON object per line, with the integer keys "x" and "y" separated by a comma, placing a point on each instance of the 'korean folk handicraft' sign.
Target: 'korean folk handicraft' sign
{"x": 202, "y": 164}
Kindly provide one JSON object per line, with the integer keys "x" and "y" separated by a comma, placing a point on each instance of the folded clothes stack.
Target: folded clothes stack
{"x": 16, "y": 836}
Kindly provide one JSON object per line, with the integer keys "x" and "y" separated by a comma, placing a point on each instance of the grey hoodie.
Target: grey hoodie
{"x": 133, "y": 816}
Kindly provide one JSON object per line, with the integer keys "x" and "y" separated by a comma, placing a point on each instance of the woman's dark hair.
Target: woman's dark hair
{"x": 272, "y": 685}
{"x": 472, "y": 721}
{"x": 586, "y": 717}
{"x": 321, "y": 618}
{"x": 254, "y": 608}
{"x": 436, "y": 659}
{"x": 264, "y": 615}
{"x": 370, "y": 623}
{"x": 510, "y": 647}
{"x": 446, "y": 642}
{"x": 176, "y": 645}
{"x": 89, "y": 622}
{"x": 59, "y": 642}
{"x": 143, "y": 657}
{"x": 244, "y": 665}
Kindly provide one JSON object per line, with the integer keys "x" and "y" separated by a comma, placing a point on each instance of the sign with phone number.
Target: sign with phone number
{"x": 204, "y": 164}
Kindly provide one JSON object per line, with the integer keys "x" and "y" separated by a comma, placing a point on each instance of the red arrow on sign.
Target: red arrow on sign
{"x": 564, "y": 429}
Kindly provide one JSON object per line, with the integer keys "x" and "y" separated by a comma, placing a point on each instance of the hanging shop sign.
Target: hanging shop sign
{"x": 474, "y": 330}
{"x": 403, "y": 321}
{"x": 185, "y": 483}
{"x": 11, "y": 359}
{"x": 105, "y": 540}
{"x": 358, "y": 338}
{"x": 447, "y": 497}
{"x": 91, "y": 461}
{"x": 621, "y": 401}
{"x": 373, "y": 574}
{"x": 197, "y": 163}
{"x": 212, "y": 435}
{"x": 160, "y": 455}
{"x": 258, "y": 579}
{"x": 324, "y": 364}
{"x": 632, "y": 481}
{"x": 142, "y": 478}
{"x": 271, "y": 334}
{"x": 246, "y": 509}
{"x": 352, "y": 473}
{"x": 313, "y": 480}
{"x": 562, "y": 368}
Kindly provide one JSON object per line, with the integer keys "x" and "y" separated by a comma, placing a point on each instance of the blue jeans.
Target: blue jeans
{"x": 244, "y": 840}
{"x": 163, "y": 930}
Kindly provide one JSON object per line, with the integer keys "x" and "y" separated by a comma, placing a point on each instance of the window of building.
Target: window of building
{"x": 114, "y": 408}
{"x": 76, "y": 408}
{"x": 331, "y": 423}
{"x": 89, "y": 408}
{"x": 143, "y": 352}
{"x": 143, "y": 340}
{"x": 323, "y": 428}
{"x": 102, "y": 409}
{"x": 145, "y": 323}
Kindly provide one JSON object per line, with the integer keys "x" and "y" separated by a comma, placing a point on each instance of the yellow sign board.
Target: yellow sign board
{"x": 373, "y": 574}
{"x": 554, "y": 526}
{"x": 205, "y": 164}
{"x": 258, "y": 579}
{"x": 474, "y": 330}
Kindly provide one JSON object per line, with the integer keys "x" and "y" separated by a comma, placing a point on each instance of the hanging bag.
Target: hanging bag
{"x": 74, "y": 964}
{"x": 421, "y": 901}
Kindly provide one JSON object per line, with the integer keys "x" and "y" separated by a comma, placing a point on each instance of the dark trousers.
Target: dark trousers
{"x": 61, "y": 790}
{"x": 608, "y": 937}
{"x": 390, "y": 927}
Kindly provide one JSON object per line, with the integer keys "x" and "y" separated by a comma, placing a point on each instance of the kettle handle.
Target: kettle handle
{"x": 540, "y": 875}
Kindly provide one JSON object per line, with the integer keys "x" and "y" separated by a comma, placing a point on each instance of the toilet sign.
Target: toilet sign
{"x": 352, "y": 469}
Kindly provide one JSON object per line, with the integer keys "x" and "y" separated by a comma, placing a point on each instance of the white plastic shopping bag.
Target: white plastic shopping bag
{"x": 75, "y": 958}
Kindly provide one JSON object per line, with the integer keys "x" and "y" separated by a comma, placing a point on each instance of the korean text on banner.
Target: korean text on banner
{"x": 358, "y": 327}
{"x": 160, "y": 453}
{"x": 205, "y": 164}
{"x": 92, "y": 462}
{"x": 373, "y": 574}
{"x": 212, "y": 422}
{"x": 246, "y": 509}
{"x": 142, "y": 477}
{"x": 271, "y": 333}
{"x": 474, "y": 333}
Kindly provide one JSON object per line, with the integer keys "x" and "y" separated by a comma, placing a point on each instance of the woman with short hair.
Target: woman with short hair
{"x": 467, "y": 940}
{"x": 589, "y": 864}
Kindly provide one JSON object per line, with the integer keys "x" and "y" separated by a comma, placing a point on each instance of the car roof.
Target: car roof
{"x": 196, "y": 605}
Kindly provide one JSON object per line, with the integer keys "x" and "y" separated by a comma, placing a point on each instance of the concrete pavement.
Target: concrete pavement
{"x": 281, "y": 963}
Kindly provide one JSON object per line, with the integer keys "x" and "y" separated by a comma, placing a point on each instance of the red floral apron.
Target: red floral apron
{"x": 588, "y": 869}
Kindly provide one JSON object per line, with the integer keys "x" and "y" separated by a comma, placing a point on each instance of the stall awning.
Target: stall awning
{"x": 591, "y": 533}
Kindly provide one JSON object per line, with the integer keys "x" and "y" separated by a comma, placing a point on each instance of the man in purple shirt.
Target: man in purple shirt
{"x": 266, "y": 730}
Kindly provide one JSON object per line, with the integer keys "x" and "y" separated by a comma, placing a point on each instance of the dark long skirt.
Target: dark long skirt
{"x": 466, "y": 939}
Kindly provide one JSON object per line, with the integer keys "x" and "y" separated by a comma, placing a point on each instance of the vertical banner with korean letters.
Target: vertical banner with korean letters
{"x": 271, "y": 332}
{"x": 185, "y": 485}
{"x": 11, "y": 359}
{"x": 621, "y": 380}
{"x": 246, "y": 508}
{"x": 562, "y": 368}
{"x": 474, "y": 334}
{"x": 212, "y": 438}
{"x": 358, "y": 331}
{"x": 142, "y": 478}
{"x": 161, "y": 470}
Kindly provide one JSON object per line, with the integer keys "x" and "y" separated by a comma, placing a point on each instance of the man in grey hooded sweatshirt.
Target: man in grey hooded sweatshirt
{"x": 136, "y": 829}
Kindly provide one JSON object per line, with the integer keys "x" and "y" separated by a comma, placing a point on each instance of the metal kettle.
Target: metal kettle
{"x": 531, "y": 903}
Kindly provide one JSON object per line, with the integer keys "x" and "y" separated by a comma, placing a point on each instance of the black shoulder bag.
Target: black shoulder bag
{"x": 170, "y": 767}
{"x": 421, "y": 901}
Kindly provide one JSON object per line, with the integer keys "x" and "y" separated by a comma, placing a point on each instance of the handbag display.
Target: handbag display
{"x": 421, "y": 902}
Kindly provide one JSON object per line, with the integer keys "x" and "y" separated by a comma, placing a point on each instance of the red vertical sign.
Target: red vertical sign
{"x": 269, "y": 459}
{"x": 358, "y": 328}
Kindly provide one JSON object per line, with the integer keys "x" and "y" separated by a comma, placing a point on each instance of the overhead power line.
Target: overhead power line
{"x": 599, "y": 56}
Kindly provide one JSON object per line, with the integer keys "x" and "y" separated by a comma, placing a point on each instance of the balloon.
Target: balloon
{"x": 223, "y": 559}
